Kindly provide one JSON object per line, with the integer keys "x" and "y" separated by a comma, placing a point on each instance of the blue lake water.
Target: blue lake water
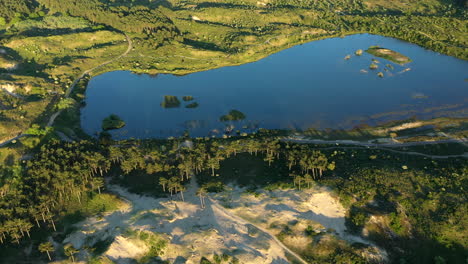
{"x": 305, "y": 86}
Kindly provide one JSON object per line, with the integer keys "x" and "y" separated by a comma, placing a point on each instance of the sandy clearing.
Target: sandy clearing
{"x": 193, "y": 232}
{"x": 124, "y": 248}
{"x": 317, "y": 205}
{"x": 242, "y": 231}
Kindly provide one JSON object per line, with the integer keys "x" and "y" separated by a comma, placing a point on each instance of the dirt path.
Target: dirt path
{"x": 75, "y": 82}
{"x": 72, "y": 87}
{"x": 244, "y": 222}
{"x": 384, "y": 146}
{"x": 8, "y": 141}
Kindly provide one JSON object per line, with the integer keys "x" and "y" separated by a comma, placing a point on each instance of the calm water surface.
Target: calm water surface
{"x": 305, "y": 86}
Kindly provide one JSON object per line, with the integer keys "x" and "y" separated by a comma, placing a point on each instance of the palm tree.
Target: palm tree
{"x": 172, "y": 184}
{"x": 70, "y": 251}
{"x": 46, "y": 247}
{"x": 3, "y": 230}
{"x": 13, "y": 230}
{"x": 298, "y": 179}
{"x": 308, "y": 179}
{"x": 36, "y": 214}
{"x": 180, "y": 188}
{"x": 270, "y": 158}
{"x": 97, "y": 183}
{"x": 291, "y": 159}
{"x": 163, "y": 182}
{"x": 201, "y": 192}
{"x": 50, "y": 217}
{"x": 213, "y": 163}
{"x": 25, "y": 226}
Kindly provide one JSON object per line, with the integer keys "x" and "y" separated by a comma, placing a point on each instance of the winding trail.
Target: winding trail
{"x": 72, "y": 87}
{"x": 75, "y": 82}
{"x": 384, "y": 146}
{"x": 245, "y": 222}
{"x": 8, "y": 141}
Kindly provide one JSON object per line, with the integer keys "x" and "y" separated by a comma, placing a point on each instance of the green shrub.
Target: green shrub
{"x": 192, "y": 105}
{"x": 187, "y": 98}
{"x": 234, "y": 115}
{"x": 170, "y": 101}
{"x": 112, "y": 122}
{"x": 214, "y": 187}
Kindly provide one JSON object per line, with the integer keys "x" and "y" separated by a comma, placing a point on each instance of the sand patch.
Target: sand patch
{"x": 123, "y": 248}
{"x": 191, "y": 232}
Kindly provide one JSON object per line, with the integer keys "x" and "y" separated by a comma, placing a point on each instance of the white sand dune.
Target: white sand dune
{"x": 194, "y": 232}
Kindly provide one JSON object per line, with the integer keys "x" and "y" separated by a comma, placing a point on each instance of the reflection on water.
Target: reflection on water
{"x": 311, "y": 85}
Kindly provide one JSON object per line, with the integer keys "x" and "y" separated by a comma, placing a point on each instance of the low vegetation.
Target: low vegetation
{"x": 192, "y": 105}
{"x": 233, "y": 115}
{"x": 112, "y": 122}
{"x": 388, "y": 55}
{"x": 187, "y": 98}
{"x": 170, "y": 101}
{"x": 373, "y": 66}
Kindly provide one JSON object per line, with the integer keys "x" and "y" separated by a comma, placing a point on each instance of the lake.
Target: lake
{"x": 306, "y": 86}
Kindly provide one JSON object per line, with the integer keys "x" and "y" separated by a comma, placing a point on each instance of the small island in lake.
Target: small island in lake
{"x": 170, "y": 101}
{"x": 112, "y": 122}
{"x": 234, "y": 115}
{"x": 192, "y": 105}
{"x": 388, "y": 55}
{"x": 187, "y": 98}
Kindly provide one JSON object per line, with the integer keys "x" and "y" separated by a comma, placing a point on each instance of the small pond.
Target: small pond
{"x": 306, "y": 86}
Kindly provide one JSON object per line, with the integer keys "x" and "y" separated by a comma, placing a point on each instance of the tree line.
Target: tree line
{"x": 138, "y": 18}
{"x": 63, "y": 174}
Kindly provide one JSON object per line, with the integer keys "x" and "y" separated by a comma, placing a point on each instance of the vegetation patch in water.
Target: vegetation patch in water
{"x": 234, "y": 115}
{"x": 170, "y": 101}
{"x": 192, "y": 105}
{"x": 388, "y": 55}
{"x": 187, "y": 98}
{"x": 112, "y": 122}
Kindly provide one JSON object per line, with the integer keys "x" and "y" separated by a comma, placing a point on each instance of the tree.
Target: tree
{"x": 180, "y": 188}
{"x": 308, "y": 179}
{"x": 213, "y": 163}
{"x": 201, "y": 192}
{"x": 46, "y": 247}
{"x": 298, "y": 181}
{"x": 291, "y": 159}
{"x": 25, "y": 226}
{"x": 97, "y": 183}
{"x": 70, "y": 251}
{"x": 172, "y": 185}
{"x": 66, "y": 103}
{"x": 270, "y": 158}
{"x": 163, "y": 182}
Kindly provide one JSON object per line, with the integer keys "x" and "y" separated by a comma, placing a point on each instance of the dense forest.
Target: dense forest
{"x": 138, "y": 18}
{"x": 425, "y": 204}
{"x": 15, "y": 8}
